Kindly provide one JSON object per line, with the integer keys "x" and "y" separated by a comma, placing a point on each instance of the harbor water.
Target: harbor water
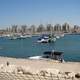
{"x": 23, "y": 48}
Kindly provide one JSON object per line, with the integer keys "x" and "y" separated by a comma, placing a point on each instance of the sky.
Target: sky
{"x": 37, "y": 12}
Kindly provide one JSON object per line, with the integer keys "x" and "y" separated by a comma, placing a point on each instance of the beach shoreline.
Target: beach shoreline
{"x": 17, "y": 69}
{"x": 36, "y": 65}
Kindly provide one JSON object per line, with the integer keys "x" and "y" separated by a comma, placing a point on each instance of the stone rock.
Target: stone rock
{"x": 77, "y": 75}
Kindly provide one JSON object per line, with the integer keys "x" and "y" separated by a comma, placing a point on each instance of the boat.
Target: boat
{"x": 43, "y": 40}
{"x": 24, "y": 36}
{"x": 18, "y": 36}
{"x": 46, "y": 39}
{"x": 53, "y": 55}
{"x": 57, "y": 37}
{"x": 62, "y": 35}
{"x": 56, "y": 55}
{"x": 54, "y": 39}
{"x": 12, "y": 37}
{"x": 35, "y": 57}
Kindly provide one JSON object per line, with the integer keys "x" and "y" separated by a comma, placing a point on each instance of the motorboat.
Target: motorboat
{"x": 24, "y": 36}
{"x": 35, "y": 57}
{"x": 18, "y": 36}
{"x": 54, "y": 55}
{"x": 12, "y": 37}
{"x": 57, "y": 37}
{"x": 43, "y": 40}
{"x": 46, "y": 39}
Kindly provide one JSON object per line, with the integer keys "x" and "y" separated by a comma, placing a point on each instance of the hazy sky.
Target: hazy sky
{"x": 39, "y": 11}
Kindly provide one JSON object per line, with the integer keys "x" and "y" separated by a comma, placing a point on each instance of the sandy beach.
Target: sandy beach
{"x": 35, "y": 66}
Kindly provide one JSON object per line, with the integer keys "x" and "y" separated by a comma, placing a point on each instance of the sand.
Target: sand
{"x": 36, "y": 65}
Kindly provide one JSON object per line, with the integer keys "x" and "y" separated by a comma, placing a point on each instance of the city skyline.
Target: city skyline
{"x": 39, "y": 11}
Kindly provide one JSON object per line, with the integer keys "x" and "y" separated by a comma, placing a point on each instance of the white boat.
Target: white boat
{"x": 24, "y": 36}
{"x": 62, "y": 35}
{"x": 42, "y": 40}
{"x": 35, "y": 57}
{"x": 12, "y": 38}
{"x": 54, "y": 55}
{"x": 54, "y": 39}
{"x": 46, "y": 39}
{"x": 57, "y": 37}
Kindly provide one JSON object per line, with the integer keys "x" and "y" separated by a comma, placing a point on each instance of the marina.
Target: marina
{"x": 39, "y": 39}
{"x": 24, "y": 48}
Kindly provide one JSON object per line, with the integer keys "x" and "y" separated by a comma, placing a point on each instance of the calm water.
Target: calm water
{"x": 70, "y": 45}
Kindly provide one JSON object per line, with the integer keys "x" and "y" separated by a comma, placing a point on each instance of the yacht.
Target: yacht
{"x": 43, "y": 40}
{"x": 46, "y": 39}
